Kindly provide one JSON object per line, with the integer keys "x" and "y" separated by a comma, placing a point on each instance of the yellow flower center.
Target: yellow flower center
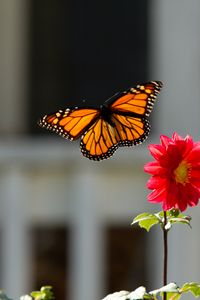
{"x": 182, "y": 172}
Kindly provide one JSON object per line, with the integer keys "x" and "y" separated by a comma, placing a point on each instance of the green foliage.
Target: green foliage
{"x": 3, "y": 296}
{"x": 172, "y": 290}
{"x": 192, "y": 287}
{"x": 139, "y": 294}
{"x": 147, "y": 220}
{"x": 45, "y": 293}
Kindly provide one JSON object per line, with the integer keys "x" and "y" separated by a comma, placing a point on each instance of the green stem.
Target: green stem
{"x": 165, "y": 231}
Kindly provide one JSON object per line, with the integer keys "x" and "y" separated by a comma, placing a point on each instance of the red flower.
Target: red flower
{"x": 175, "y": 174}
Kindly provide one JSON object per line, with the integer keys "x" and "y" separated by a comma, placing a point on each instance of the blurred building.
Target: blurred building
{"x": 64, "y": 220}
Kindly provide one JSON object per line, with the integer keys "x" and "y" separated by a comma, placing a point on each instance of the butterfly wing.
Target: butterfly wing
{"x": 70, "y": 124}
{"x": 102, "y": 139}
{"x": 130, "y": 130}
{"x": 137, "y": 100}
{"x": 99, "y": 141}
{"x": 130, "y": 113}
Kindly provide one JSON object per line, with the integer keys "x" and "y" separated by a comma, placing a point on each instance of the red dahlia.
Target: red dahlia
{"x": 175, "y": 172}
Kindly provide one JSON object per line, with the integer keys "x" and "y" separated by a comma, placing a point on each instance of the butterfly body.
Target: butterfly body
{"x": 106, "y": 114}
{"x": 120, "y": 121}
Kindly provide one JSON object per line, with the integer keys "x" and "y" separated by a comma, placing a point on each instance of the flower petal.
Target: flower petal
{"x": 172, "y": 158}
{"x": 195, "y": 182}
{"x": 156, "y": 182}
{"x": 194, "y": 154}
{"x": 157, "y": 195}
{"x": 176, "y": 137}
{"x": 172, "y": 195}
{"x": 165, "y": 140}
{"x": 153, "y": 168}
{"x": 195, "y": 172}
{"x": 156, "y": 151}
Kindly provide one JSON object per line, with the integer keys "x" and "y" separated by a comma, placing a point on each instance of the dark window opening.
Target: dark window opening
{"x": 126, "y": 264}
{"x": 84, "y": 50}
{"x": 50, "y": 264}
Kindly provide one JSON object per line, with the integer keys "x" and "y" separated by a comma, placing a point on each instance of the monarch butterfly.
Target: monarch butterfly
{"x": 122, "y": 120}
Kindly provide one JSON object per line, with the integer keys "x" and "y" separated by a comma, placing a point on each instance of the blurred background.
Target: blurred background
{"x": 65, "y": 220}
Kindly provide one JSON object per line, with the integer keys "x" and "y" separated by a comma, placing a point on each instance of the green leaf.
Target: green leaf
{"x": 174, "y": 216}
{"x": 3, "y": 296}
{"x": 146, "y": 220}
{"x": 26, "y": 297}
{"x": 169, "y": 288}
{"x": 173, "y": 296}
{"x": 172, "y": 290}
{"x": 137, "y": 294}
{"x": 140, "y": 294}
{"x": 192, "y": 287}
{"x": 45, "y": 293}
{"x": 183, "y": 220}
{"x": 174, "y": 212}
{"x": 117, "y": 296}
